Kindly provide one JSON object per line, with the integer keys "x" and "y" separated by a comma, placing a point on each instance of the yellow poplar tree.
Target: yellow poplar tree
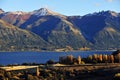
{"x": 79, "y": 60}
{"x": 112, "y": 58}
{"x": 95, "y": 56}
{"x": 100, "y": 58}
{"x": 105, "y": 58}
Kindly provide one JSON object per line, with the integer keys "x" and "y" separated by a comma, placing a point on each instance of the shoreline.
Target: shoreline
{"x": 60, "y": 51}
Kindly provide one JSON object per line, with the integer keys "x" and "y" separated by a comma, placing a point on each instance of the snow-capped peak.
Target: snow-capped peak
{"x": 1, "y": 11}
{"x": 44, "y": 12}
{"x": 41, "y": 12}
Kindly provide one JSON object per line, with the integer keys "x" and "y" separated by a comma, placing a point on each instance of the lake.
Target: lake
{"x": 40, "y": 57}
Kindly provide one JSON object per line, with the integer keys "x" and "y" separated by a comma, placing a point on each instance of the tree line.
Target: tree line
{"x": 95, "y": 58}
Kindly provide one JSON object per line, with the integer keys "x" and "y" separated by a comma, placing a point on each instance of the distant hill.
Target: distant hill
{"x": 95, "y": 31}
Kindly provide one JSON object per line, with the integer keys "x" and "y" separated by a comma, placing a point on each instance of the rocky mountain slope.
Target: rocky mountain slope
{"x": 101, "y": 29}
{"x": 96, "y": 31}
{"x": 15, "y": 39}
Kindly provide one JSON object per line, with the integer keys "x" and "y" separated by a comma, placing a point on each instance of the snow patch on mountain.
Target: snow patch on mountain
{"x": 1, "y": 11}
{"x": 18, "y": 13}
{"x": 40, "y": 12}
{"x": 44, "y": 12}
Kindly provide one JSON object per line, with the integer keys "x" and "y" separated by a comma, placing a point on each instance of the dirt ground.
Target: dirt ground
{"x": 92, "y": 71}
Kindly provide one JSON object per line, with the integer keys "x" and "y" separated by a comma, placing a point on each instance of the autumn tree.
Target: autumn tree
{"x": 95, "y": 56}
{"x": 79, "y": 60}
{"x": 100, "y": 58}
{"x": 111, "y": 58}
{"x": 69, "y": 59}
{"x": 118, "y": 55}
{"x": 105, "y": 58}
{"x": 90, "y": 57}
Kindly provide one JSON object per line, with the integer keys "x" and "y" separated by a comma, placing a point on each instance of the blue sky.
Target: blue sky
{"x": 66, "y": 7}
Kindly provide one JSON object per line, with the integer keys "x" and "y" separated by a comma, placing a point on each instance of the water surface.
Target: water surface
{"x": 40, "y": 57}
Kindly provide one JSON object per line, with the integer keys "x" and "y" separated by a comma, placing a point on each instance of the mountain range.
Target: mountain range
{"x": 44, "y": 29}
